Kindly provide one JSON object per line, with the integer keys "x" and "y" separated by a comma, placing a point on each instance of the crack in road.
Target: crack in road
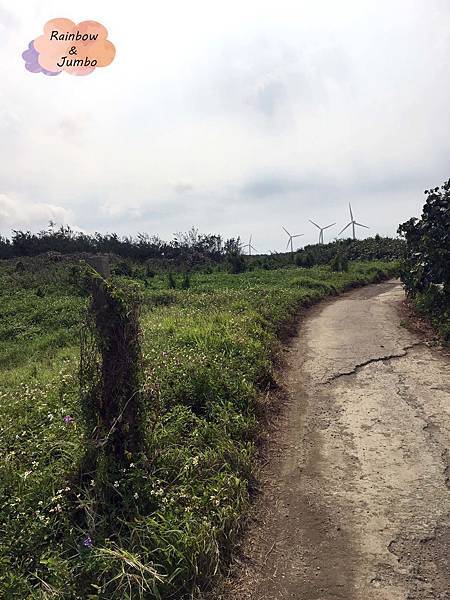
{"x": 359, "y": 366}
{"x": 355, "y": 501}
{"x": 446, "y": 460}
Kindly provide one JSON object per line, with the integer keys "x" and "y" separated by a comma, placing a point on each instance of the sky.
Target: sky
{"x": 235, "y": 117}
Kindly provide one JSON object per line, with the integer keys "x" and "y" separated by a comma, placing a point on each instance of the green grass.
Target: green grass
{"x": 433, "y": 304}
{"x": 208, "y": 354}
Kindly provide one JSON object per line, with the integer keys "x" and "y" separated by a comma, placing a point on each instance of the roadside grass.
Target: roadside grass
{"x": 433, "y": 304}
{"x": 208, "y": 354}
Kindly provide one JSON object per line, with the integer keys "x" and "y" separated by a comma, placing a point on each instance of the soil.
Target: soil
{"x": 355, "y": 501}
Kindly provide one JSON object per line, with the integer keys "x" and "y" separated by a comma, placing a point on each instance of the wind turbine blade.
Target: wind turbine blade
{"x": 253, "y": 248}
{"x": 250, "y": 239}
{"x": 298, "y": 235}
{"x": 350, "y": 207}
{"x": 314, "y": 224}
{"x": 345, "y": 228}
{"x": 361, "y": 225}
{"x": 286, "y": 231}
{"x": 287, "y": 245}
{"x": 329, "y": 226}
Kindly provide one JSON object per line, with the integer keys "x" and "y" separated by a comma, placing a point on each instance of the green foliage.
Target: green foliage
{"x": 174, "y": 514}
{"x": 186, "y": 283}
{"x": 150, "y": 273}
{"x": 339, "y": 262}
{"x": 171, "y": 282}
{"x": 123, "y": 268}
{"x": 236, "y": 263}
{"x": 304, "y": 259}
{"x": 110, "y": 372}
{"x": 426, "y": 268}
{"x": 185, "y": 250}
{"x": 376, "y": 248}
{"x": 41, "y": 311}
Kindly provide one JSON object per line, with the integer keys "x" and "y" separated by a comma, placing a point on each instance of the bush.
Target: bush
{"x": 236, "y": 263}
{"x": 123, "y": 268}
{"x": 376, "y": 248}
{"x": 186, "y": 283}
{"x": 171, "y": 283}
{"x": 304, "y": 260}
{"x": 426, "y": 268}
{"x": 339, "y": 263}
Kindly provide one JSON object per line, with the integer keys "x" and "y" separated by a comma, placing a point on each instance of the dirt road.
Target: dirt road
{"x": 356, "y": 500}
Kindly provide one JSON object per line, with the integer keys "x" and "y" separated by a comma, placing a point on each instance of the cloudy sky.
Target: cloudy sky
{"x": 235, "y": 117}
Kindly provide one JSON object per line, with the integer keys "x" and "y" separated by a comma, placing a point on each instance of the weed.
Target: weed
{"x": 173, "y": 512}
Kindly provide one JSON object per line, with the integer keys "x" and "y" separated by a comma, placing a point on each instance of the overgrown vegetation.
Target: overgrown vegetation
{"x": 162, "y": 523}
{"x": 339, "y": 262}
{"x": 137, "y": 257}
{"x": 186, "y": 249}
{"x": 112, "y": 400}
{"x": 376, "y": 248}
{"x": 426, "y": 268}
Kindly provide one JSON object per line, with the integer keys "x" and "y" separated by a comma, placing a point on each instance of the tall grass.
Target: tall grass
{"x": 208, "y": 354}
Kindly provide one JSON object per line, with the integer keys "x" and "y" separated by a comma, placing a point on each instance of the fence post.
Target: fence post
{"x": 100, "y": 264}
{"x": 112, "y": 397}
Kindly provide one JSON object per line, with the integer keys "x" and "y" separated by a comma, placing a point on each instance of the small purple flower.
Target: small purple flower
{"x": 87, "y": 542}
{"x": 68, "y": 419}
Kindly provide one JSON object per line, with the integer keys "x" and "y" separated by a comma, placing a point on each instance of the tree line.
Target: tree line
{"x": 190, "y": 245}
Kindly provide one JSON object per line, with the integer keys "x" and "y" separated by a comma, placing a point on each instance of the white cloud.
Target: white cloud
{"x": 233, "y": 116}
{"x": 18, "y": 214}
{"x": 183, "y": 187}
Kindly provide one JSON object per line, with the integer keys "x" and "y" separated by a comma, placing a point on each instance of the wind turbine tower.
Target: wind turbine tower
{"x": 352, "y": 223}
{"x": 249, "y": 246}
{"x": 290, "y": 240}
{"x": 321, "y": 230}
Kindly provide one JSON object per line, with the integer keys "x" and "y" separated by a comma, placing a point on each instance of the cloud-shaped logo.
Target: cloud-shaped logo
{"x": 65, "y": 46}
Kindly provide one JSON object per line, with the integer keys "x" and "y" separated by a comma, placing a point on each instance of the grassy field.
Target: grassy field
{"x": 208, "y": 356}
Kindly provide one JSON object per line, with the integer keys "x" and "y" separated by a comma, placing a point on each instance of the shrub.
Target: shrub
{"x": 123, "y": 268}
{"x": 426, "y": 268}
{"x": 304, "y": 260}
{"x": 186, "y": 283}
{"x": 339, "y": 263}
{"x": 171, "y": 283}
{"x": 236, "y": 263}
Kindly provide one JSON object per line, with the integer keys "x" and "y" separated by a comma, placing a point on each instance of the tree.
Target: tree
{"x": 428, "y": 244}
{"x": 426, "y": 268}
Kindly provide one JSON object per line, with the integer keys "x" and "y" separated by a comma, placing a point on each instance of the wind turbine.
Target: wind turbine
{"x": 322, "y": 229}
{"x": 291, "y": 237}
{"x": 249, "y": 246}
{"x": 352, "y": 223}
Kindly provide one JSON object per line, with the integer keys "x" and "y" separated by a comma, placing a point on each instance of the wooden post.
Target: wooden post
{"x": 100, "y": 264}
